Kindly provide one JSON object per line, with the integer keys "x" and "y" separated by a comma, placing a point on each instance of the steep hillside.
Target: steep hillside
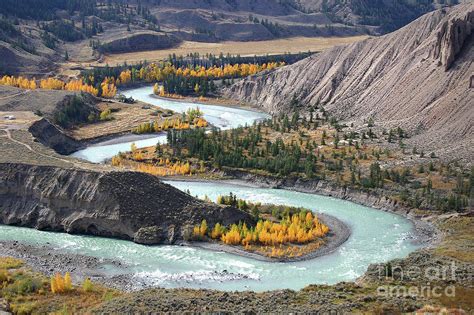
{"x": 385, "y": 16}
{"x": 418, "y": 78}
{"x": 246, "y": 20}
{"x": 264, "y": 19}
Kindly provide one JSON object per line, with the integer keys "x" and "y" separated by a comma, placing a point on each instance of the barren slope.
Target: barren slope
{"x": 419, "y": 77}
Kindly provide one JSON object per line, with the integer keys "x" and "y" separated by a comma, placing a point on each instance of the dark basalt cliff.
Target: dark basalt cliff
{"x": 127, "y": 205}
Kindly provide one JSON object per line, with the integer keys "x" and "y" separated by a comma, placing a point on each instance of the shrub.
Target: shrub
{"x": 105, "y": 115}
{"x": 28, "y": 285}
{"x": 87, "y": 285}
{"x": 10, "y": 263}
{"x": 24, "y": 308}
{"x": 109, "y": 295}
{"x": 25, "y": 285}
{"x": 3, "y": 276}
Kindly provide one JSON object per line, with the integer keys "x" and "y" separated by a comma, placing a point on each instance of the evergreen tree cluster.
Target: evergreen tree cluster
{"x": 189, "y": 85}
{"x": 74, "y": 111}
{"x": 47, "y": 12}
{"x": 247, "y": 148}
{"x": 209, "y": 60}
{"x": 239, "y": 149}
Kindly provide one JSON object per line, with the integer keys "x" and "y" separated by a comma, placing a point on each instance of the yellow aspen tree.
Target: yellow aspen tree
{"x": 67, "y": 282}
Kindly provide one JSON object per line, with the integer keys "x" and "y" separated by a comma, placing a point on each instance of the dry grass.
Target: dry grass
{"x": 459, "y": 239}
{"x": 271, "y": 47}
{"x": 28, "y": 292}
{"x": 462, "y": 301}
{"x": 23, "y": 120}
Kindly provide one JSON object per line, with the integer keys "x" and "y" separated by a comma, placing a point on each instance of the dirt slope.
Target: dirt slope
{"x": 419, "y": 77}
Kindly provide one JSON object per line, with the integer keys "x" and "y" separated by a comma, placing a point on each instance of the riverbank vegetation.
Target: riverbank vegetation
{"x": 191, "y": 119}
{"x": 176, "y": 81}
{"x": 317, "y": 147}
{"x": 23, "y": 291}
{"x": 177, "y": 77}
{"x": 279, "y": 232}
{"x": 191, "y": 65}
{"x": 106, "y": 88}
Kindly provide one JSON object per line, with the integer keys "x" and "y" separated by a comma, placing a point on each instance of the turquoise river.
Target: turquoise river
{"x": 377, "y": 236}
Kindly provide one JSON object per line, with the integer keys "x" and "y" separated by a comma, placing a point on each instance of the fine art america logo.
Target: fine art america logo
{"x": 426, "y": 278}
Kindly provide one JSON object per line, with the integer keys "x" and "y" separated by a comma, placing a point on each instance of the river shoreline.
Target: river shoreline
{"x": 49, "y": 261}
{"x": 211, "y": 103}
{"x": 424, "y": 231}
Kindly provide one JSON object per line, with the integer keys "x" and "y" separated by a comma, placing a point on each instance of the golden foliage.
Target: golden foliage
{"x": 105, "y": 114}
{"x": 170, "y": 123}
{"x": 159, "y": 72}
{"x": 160, "y": 90}
{"x": 125, "y": 77}
{"x": 49, "y": 84}
{"x": 78, "y": 85}
{"x": 87, "y": 285}
{"x": 109, "y": 90}
{"x": 200, "y": 122}
{"x": 19, "y": 82}
{"x": 300, "y": 228}
{"x": 161, "y": 168}
{"x": 217, "y": 231}
{"x": 52, "y": 84}
{"x": 60, "y": 284}
{"x": 10, "y": 263}
{"x": 200, "y": 231}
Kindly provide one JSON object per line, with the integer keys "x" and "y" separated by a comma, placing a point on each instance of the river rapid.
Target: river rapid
{"x": 377, "y": 236}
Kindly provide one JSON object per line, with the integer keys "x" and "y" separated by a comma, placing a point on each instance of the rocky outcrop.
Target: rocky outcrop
{"x": 140, "y": 42}
{"x": 52, "y": 137}
{"x": 453, "y": 34}
{"x": 127, "y": 205}
{"x": 417, "y": 77}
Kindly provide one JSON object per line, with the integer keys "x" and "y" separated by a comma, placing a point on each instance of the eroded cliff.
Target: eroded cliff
{"x": 128, "y": 205}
